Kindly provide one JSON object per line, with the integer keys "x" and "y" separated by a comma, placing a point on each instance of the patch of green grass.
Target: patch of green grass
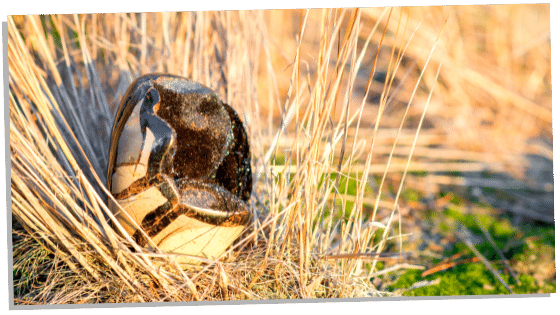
{"x": 348, "y": 205}
{"x": 456, "y": 200}
{"x": 467, "y": 279}
{"x": 27, "y": 268}
{"x": 280, "y": 159}
{"x": 529, "y": 248}
{"x": 346, "y": 186}
{"x": 411, "y": 195}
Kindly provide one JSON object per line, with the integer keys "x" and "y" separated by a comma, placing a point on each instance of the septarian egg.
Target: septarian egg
{"x": 179, "y": 167}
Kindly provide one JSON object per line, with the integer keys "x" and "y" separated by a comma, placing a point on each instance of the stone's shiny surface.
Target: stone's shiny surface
{"x": 179, "y": 167}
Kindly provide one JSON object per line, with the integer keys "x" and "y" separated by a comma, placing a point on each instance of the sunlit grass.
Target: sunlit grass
{"x": 339, "y": 105}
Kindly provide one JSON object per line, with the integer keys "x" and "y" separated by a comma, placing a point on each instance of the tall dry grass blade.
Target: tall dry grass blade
{"x": 380, "y": 248}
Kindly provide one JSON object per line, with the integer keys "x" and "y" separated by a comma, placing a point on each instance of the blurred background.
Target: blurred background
{"x": 490, "y": 115}
{"x": 484, "y": 156}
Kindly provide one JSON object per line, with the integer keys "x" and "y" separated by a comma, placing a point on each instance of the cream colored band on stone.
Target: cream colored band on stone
{"x": 188, "y": 235}
{"x": 138, "y": 206}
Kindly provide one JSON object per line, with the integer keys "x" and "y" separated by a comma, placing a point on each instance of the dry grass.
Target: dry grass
{"x": 328, "y": 99}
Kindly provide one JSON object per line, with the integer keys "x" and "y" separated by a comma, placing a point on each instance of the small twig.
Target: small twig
{"x": 464, "y": 235}
{"x": 448, "y": 265}
{"x": 424, "y": 283}
{"x": 493, "y": 243}
{"x": 395, "y": 268}
{"x": 378, "y": 256}
{"x": 452, "y": 258}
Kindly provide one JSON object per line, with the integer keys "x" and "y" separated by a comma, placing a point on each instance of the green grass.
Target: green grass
{"x": 347, "y": 186}
{"x": 27, "y": 269}
{"x": 411, "y": 195}
{"x": 529, "y": 248}
{"x": 469, "y": 279}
